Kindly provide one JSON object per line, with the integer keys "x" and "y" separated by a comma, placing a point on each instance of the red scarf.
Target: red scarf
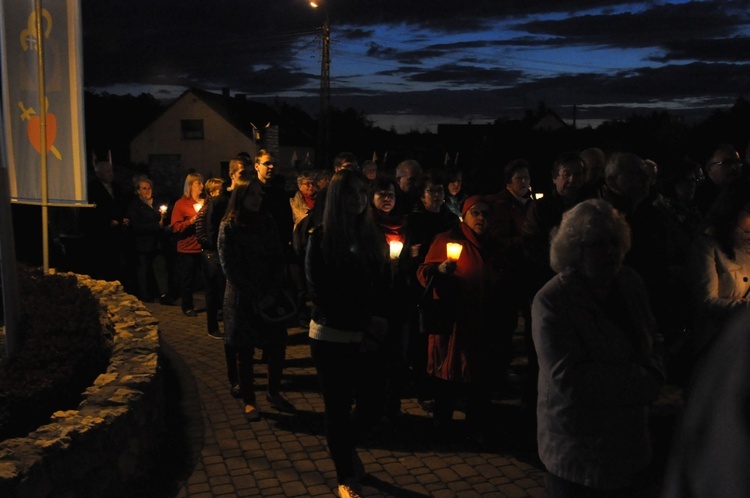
{"x": 471, "y": 236}
{"x": 392, "y": 224}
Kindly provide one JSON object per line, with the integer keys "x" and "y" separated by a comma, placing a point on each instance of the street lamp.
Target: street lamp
{"x": 322, "y": 158}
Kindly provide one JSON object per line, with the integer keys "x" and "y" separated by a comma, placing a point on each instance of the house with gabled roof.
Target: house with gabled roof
{"x": 201, "y": 131}
{"x": 550, "y": 121}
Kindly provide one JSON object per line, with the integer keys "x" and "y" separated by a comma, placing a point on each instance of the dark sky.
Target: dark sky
{"x": 412, "y": 64}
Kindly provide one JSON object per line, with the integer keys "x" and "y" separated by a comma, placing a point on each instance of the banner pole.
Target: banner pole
{"x": 43, "y": 134}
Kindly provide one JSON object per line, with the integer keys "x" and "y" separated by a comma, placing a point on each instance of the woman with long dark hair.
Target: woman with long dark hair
{"x": 253, "y": 261}
{"x": 392, "y": 224}
{"x": 348, "y": 282}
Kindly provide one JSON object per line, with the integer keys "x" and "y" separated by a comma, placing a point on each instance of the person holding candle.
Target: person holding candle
{"x": 470, "y": 283}
{"x": 387, "y": 215}
{"x": 430, "y": 218}
{"x": 146, "y": 224}
{"x": 348, "y": 281}
{"x": 395, "y": 229}
{"x": 720, "y": 266}
{"x": 188, "y": 262}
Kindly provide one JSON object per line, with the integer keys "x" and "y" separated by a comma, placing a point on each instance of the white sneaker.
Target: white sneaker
{"x": 349, "y": 491}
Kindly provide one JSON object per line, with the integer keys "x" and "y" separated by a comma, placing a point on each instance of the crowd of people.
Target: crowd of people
{"x": 624, "y": 274}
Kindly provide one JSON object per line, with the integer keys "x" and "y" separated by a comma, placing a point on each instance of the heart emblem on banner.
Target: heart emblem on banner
{"x": 34, "y": 130}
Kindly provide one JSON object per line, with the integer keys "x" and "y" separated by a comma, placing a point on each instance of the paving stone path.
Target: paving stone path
{"x": 285, "y": 455}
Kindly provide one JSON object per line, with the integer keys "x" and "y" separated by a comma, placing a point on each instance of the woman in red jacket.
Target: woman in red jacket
{"x": 462, "y": 362}
{"x": 188, "y": 261}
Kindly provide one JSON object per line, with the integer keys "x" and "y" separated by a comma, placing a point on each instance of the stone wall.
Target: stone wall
{"x": 110, "y": 440}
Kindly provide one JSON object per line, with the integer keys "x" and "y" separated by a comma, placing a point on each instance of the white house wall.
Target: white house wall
{"x": 220, "y": 143}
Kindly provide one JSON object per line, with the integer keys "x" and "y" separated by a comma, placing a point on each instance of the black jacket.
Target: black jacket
{"x": 345, "y": 294}
{"x": 144, "y": 226}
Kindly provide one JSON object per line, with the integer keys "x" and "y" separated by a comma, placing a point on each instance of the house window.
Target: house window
{"x": 192, "y": 129}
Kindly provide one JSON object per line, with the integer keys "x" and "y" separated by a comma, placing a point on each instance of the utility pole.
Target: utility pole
{"x": 323, "y": 158}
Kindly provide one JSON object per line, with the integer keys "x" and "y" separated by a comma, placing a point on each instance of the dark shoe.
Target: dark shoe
{"x": 359, "y": 467}
{"x": 191, "y": 313}
{"x": 251, "y": 413}
{"x": 235, "y": 391}
{"x": 166, "y": 300}
{"x": 280, "y": 403}
{"x": 215, "y": 334}
{"x": 427, "y": 405}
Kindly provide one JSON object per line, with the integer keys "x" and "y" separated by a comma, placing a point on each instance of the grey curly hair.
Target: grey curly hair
{"x": 579, "y": 223}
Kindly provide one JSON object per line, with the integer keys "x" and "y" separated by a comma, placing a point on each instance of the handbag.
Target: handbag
{"x": 436, "y": 316}
{"x": 281, "y": 310}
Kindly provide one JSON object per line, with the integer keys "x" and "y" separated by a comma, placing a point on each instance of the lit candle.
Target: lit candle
{"x": 197, "y": 206}
{"x": 396, "y": 247}
{"x": 163, "y": 208}
{"x": 454, "y": 250}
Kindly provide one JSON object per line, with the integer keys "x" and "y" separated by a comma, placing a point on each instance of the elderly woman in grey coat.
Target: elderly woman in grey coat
{"x": 598, "y": 372}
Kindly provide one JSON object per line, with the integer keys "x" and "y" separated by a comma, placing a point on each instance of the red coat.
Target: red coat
{"x": 182, "y": 213}
{"x": 476, "y": 290}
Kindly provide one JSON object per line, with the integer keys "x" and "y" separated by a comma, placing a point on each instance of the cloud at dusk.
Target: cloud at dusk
{"x": 475, "y": 61}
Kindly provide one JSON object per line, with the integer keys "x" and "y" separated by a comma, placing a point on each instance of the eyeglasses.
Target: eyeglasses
{"x": 307, "y": 184}
{"x": 386, "y": 194}
{"x": 729, "y": 163}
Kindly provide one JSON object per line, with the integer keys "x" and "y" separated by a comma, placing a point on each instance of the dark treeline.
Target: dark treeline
{"x": 480, "y": 150}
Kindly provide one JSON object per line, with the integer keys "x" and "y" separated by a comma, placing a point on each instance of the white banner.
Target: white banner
{"x": 63, "y": 105}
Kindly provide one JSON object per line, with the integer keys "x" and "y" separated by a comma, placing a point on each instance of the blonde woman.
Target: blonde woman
{"x": 184, "y": 216}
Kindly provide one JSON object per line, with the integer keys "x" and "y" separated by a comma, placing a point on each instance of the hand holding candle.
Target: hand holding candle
{"x": 396, "y": 246}
{"x": 454, "y": 250}
{"x": 163, "y": 209}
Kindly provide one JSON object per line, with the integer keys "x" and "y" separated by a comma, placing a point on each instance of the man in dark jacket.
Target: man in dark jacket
{"x": 275, "y": 199}
{"x": 104, "y": 224}
{"x": 546, "y": 214}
